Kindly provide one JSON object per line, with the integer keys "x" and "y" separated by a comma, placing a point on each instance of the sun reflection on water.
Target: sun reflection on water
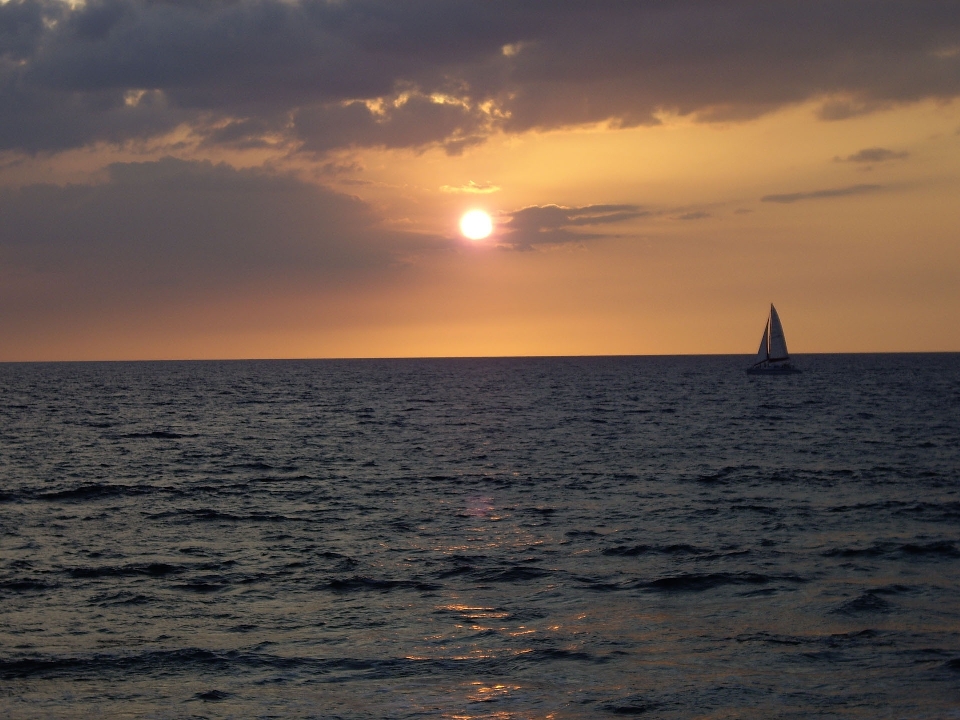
{"x": 484, "y": 693}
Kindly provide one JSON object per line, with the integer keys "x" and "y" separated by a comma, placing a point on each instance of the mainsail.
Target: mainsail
{"x": 778, "y": 343}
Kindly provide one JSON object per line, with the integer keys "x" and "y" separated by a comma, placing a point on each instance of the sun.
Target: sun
{"x": 476, "y": 224}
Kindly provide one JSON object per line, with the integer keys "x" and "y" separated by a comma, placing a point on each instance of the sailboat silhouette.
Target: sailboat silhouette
{"x": 772, "y": 357}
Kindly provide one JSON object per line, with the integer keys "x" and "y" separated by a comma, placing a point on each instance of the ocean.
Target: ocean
{"x": 664, "y": 537}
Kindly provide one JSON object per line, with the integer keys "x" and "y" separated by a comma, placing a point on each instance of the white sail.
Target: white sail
{"x": 763, "y": 353}
{"x": 778, "y": 343}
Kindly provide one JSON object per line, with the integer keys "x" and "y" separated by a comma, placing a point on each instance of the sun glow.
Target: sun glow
{"x": 476, "y": 224}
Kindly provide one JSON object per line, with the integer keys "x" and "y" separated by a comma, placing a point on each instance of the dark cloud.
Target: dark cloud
{"x": 171, "y": 225}
{"x": 696, "y": 215}
{"x": 240, "y": 134}
{"x": 846, "y": 107}
{"x": 818, "y": 194}
{"x": 414, "y": 121}
{"x": 335, "y": 168}
{"x": 383, "y": 73}
{"x": 553, "y": 224}
{"x": 874, "y": 155}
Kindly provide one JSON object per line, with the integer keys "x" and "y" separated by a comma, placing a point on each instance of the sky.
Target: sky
{"x": 285, "y": 178}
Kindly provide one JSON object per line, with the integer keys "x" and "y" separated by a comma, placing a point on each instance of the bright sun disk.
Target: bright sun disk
{"x": 476, "y": 224}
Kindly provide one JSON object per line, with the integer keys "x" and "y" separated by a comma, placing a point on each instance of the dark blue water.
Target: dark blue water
{"x": 500, "y": 538}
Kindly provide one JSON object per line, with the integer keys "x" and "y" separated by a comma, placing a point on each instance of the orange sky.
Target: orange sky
{"x": 176, "y": 241}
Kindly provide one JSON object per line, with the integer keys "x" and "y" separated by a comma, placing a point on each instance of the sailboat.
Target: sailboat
{"x": 772, "y": 357}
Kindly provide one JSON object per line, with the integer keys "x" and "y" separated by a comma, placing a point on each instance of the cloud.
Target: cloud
{"x": 344, "y": 168}
{"x": 320, "y": 75}
{"x": 844, "y": 108}
{"x": 818, "y": 194}
{"x": 170, "y": 227}
{"x": 410, "y": 121}
{"x": 698, "y": 215}
{"x": 554, "y": 224}
{"x": 471, "y": 188}
{"x": 874, "y": 155}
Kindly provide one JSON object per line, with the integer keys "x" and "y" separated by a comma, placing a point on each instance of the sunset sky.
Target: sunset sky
{"x": 281, "y": 178}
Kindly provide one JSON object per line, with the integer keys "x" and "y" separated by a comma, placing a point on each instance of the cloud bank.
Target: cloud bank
{"x": 315, "y": 75}
{"x": 173, "y": 227}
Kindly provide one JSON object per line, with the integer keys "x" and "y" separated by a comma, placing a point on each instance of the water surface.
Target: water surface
{"x": 493, "y": 538}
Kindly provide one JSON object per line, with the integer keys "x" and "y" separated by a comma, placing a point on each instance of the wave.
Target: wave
{"x": 156, "y": 435}
{"x": 201, "y": 586}
{"x": 939, "y": 548}
{"x": 561, "y": 654}
{"x": 832, "y": 640}
{"x": 211, "y": 515}
{"x": 165, "y": 663}
{"x": 151, "y": 662}
{"x": 582, "y": 533}
{"x": 456, "y": 570}
{"x": 516, "y": 573}
{"x": 631, "y": 706}
{"x": 869, "y": 506}
{"x": 762, "y": 509}
{"x": 726, "y": 473}
{"x": 865, "y": 603}
{"x": 675, "y": 549}
{"x": 95, "y": 491}
{"x": 875, "y": 550}
{"x": 277, "y": 479}
{"x": 627, "y": 550}
{"x": 600, "y": 585}
{"x": 694, "y": 582}
{"x": 937, "y": 512}
{"x": 942, "y": 548}
{"x": 21, "y": 585}
{"x": 473, "y": 568}
{"x": 358, "y": 582}
{"x": 121, "y": 598}
{"x": 256, "y": 465}
{"x": 151, "y": 569}
{"x": 212, "y": 696}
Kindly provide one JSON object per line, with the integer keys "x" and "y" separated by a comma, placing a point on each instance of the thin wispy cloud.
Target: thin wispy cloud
{"x": 822, "y": 194}
{"x": 471, "y": 188}
{"x": 874, "y": 155}
{"x": 555, "y": 224}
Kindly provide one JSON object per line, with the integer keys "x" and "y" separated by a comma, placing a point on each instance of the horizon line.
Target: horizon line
{"x": 462, "y": 357}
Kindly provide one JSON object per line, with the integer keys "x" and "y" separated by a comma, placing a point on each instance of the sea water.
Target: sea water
{"x": 487, "y": 538}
